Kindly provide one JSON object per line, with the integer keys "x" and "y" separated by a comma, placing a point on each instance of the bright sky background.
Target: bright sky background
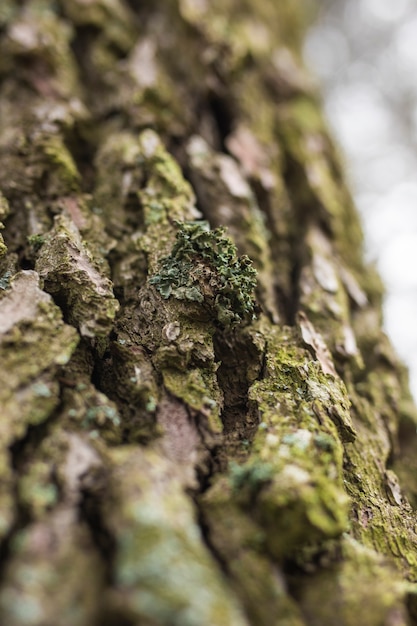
{"x": 365, "y": 55}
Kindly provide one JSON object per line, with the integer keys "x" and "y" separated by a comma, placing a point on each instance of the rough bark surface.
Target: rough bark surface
{"x": 183, "y": 443}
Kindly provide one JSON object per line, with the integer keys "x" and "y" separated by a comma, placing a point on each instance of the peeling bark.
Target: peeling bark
{"x": 181, "y": 444}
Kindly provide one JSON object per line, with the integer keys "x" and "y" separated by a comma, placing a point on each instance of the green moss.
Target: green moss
{"x": 3, "y": 247}
{"x": 240, "y": 542}
{"x": 360, "y": 583}
{"x": 141, "y": 192}
{"x": 385, "y": 522}
{"x": 318, "y": 181}
{"x": 292, "y": 480}
{"x": 4, "y": 207}
{"x": 199, "y": 389}
{"x": 63, "y": 172}
{"x": 8, "y": 9}
{"x": 302, "y": 387}
{"x": 57, "y": 577}
{"x": 166, "y": 178}
{"x": 47, "y": 42}
{"x": 36, "y": 241}
{"x": 204, "y": 267}
{"x": 241, "y": 29}
{"x": 37, "y": 492}
{"x": 29, "y": 394}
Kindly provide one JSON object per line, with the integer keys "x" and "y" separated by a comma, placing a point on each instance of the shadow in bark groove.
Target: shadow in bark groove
{"x": 305, "y": 213}
{"x": 223, "y": 114}
{"x": 241, "y": 364}
{"x": 90, "y": 511}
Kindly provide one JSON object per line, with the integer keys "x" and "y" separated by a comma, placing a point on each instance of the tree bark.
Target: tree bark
{"x": 183, "y": 442}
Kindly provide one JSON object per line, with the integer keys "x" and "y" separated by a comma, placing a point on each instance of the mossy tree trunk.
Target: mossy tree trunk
{"x": 182, "y": 443}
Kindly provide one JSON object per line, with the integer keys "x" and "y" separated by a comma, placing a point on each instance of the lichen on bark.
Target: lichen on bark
{"x": 183, "y": 442}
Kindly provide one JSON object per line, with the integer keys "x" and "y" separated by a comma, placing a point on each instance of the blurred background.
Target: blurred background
{"x": 364, "y": 53}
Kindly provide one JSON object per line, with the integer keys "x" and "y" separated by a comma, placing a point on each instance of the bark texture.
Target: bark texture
{"x": 183, "y": 443}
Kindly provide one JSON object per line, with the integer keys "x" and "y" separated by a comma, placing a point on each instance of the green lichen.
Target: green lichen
{"x": 164, "y": 573}
{"x": 57, "y": 577}
{"x": 48, "y": 492}
{"x": 101, "y": 414}
{"x": 47, "y": 41}
{"x": 204, "y": 267}
{"x": 5, "y": 280}
{"x": 87, "y": 409}
{"x": 34, "y": 342}
{"x": 228, "y": 200}
{"x": 141, "y": 192}
{"x": 36, "y": 489}
{"x": 294, "y": 467}
{"x": 240, "y": 542}
{"x": 36, "y": 241}
{"x": 252, "y": 475}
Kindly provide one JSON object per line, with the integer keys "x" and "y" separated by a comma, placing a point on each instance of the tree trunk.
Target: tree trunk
{"x": 183, "y": 442}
